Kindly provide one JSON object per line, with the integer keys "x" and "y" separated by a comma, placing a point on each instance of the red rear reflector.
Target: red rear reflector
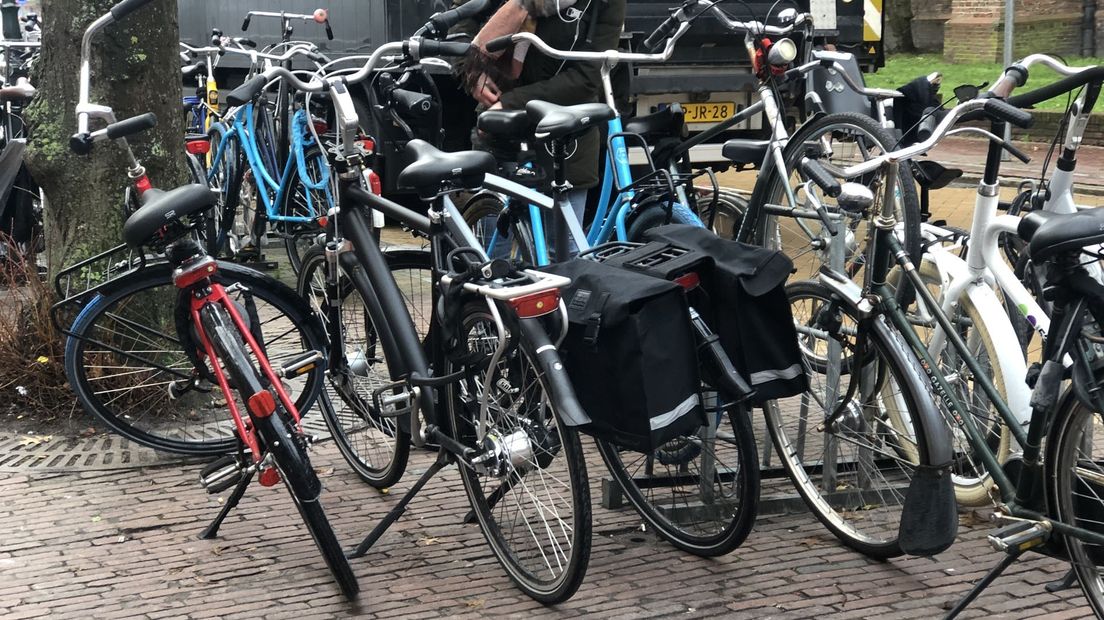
{"x": 197, "y": 147}
{"x": 269, "y": 477}
{"x": 369, "y": 145}
{"x": 536, "y": 304}
{"x": 688, "y": 281}
{"x": 262, "y": 404}
{"x": 323, "y": 221}
{"x": 321, "y": 126}
{"x": 143, "y": 185}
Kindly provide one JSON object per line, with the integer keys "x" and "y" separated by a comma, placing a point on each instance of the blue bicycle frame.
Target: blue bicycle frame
{"x": 272, "y": 190}
{"x": 608, "y": 224}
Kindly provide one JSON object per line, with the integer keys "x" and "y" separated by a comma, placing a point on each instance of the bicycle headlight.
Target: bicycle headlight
{"x": 782, "y": 53}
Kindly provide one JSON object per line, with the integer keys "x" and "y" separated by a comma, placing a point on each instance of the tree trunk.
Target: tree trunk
{"x": 135, "y": 69}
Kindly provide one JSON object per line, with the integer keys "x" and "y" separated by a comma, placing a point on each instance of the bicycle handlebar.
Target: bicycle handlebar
{"x": 320, "y": 16}
{"x": 440, "y": 23}
{"x": 126, "y": 7}
{"x": 609, "y": 56}
{"x": 1016, "y": 74}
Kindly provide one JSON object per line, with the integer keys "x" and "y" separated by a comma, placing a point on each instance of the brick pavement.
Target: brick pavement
{"x": 123, "y": 544}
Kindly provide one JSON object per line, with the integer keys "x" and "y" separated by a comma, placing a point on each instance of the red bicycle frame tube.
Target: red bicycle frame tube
{"x": 217, "y": 294}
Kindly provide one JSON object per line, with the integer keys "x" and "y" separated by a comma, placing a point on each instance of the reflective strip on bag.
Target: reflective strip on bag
{"x": 664, "y": 420}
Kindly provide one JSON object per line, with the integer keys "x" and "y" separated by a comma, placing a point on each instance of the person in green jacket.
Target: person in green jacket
{"x": 523, "y": 75}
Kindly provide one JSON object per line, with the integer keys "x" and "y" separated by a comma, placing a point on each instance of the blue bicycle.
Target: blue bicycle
{"x": 247, "y": 170}
{"x": 622, "y": 214}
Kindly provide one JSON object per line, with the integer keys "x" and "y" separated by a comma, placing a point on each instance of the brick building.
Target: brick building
{"x": 973, "y": 30}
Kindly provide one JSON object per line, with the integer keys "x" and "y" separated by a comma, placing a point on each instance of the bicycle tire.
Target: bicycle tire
{"x": 651, "y": 213}
{"x": 300, "y": 236}
{"x": 481, "y": 213}
{"x": 691, "y": 519}
{"x": 354, "y": 426}
{"x": 845, "y": 508}
{"x": 730, "y": 210}
{"x": 785, "y": 233}
{"x": 1073, "y": 470}
{"x": 287, "y": 451}
{"x": 972, "y": 483}
{"x": 286, "y": 324}
{"x": 558, "y": 445}
{"x": 226, "y": 177}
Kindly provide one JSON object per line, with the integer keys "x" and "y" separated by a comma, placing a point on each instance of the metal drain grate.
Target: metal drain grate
{"x": 100, "y": 452}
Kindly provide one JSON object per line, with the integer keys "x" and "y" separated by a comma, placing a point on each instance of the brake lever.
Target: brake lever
{"x": 1015, "y": 152}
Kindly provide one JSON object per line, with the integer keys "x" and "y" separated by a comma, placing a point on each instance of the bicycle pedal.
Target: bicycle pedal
{"x": 221, "y": 474}
{"x": 391, "y": 405}
{"x": 300, "y": 365}
{"x": 1020, "y": 536}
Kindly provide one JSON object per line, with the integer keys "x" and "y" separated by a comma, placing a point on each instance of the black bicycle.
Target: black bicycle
{"x": 487, "y": 385}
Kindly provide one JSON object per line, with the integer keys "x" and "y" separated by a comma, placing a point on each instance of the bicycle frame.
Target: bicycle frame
{"x": 273, "y": 190}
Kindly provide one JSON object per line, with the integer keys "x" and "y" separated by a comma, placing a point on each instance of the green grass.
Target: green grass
{"x": 900, "y": 69}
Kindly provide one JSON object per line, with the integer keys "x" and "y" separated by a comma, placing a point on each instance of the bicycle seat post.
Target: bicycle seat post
{"x": 561, "y": 242}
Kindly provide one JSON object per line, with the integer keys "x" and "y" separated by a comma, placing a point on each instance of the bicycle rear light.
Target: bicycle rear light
{"x": 372, "y": 181}
{"x": 198, "y": 147}
{"x": 688, "y": 281}
{"x": 536, "y": 304}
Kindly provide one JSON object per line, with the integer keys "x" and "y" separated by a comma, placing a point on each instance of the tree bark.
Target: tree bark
{"x": 135, "y": 69}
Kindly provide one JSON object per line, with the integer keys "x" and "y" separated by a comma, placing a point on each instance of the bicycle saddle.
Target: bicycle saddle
{"x": 1049, "y": 234}
{"x": 668, "y": 122}
{"x": 933, "y": 175}
{"x": 164, "y": 209}
{"x": 745, "y": 152}
{"x": 557, "y": 122}
{"x": 513, "y": 124}
{"x": 432, "y": 168}
{"x": 20, "y": 91}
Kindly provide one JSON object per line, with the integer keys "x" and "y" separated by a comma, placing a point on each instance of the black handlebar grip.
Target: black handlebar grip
{"x": 429, "y": 47}
{"x": 247, "y": 91}
{"x": 246, "y": 42}
{"x": 927, "y": 124}
{"x": 499, "y": 44}
{"x": 80, "y": 143}
{"x": 329, "y": 31}
{"x": 660, "y": 34}
{"x": 444, "y": 20}
{"x": 1004, "y": 111}
{"x": 817, "y": 174}
{"x": 131, "y": 126}
{"x": 126, "y": 7}
{"x": 245, "y": 22}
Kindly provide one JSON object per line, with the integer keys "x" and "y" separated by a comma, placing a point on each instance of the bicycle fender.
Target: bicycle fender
{"x": 536, "y": 339}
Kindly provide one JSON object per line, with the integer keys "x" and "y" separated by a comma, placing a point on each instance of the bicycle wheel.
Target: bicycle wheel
{"x": 124, "y": 353}
{"x": 530, "y": 495}
{"x": 225, "y": 177}
{"x": 852, "y": 473}
{"x": 288, "y": 449}
{"x": 839, "y": 140}
{"x": 700, "y": 493}
{"x": 299, "y": 200}
{"x": 725, "y": 215}
{"x": 1075, "y": 470}
{"x": 971, "y": 480}
{"x": 375, "y": 446}
{"x": 481, "y": 214}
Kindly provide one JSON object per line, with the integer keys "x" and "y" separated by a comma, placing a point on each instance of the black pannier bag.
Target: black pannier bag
{"x": 630, "y": 354}
{"x": 747, "y": 308}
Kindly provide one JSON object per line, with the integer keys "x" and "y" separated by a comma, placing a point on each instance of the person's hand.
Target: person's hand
{"x": 486, "y": 91}
{"x": 497, "y": 106}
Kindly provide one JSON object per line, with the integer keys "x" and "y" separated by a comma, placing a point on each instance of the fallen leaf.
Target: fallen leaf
{"x": 473, "y": 603}
{"x": 97, "y": 519}
{"x": 88, "y": 432}
{"x": 427, "y": 540}
{"x": 42, "y": 359}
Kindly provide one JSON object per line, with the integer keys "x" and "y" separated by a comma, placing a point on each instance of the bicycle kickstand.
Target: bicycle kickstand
{"x": 444, "y": 458}
{"x": 231, "y": 502}
{"x": 1067, "y": 581}
{"x": 989, "y": 577}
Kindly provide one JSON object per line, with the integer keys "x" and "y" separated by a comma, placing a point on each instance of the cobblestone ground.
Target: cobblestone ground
{"x": 123, "y": 543}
